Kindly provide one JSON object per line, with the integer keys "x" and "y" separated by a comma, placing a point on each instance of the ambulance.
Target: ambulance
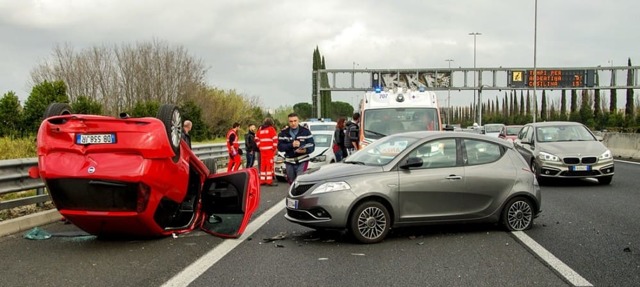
{"x": 387, "y": 112}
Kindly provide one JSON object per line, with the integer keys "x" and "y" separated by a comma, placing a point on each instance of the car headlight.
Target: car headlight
{"x": 606, "y": 155}
{"x": 331, "y": 186}
{"x": 320, "y": 158}
{"x": 548, "y": 157}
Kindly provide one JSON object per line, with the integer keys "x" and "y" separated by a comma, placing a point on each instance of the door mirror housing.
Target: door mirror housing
{"x": 411, "y": 162}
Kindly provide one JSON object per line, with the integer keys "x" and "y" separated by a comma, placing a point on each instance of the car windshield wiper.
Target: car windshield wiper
{"x": 375, "y": 133}
{"x": 355, "y": 162}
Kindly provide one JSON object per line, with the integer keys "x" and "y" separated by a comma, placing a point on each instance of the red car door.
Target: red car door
{"x": 228, "y": 201}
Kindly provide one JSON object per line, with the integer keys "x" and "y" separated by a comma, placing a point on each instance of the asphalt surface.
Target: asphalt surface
{"x": 591, "y": 228}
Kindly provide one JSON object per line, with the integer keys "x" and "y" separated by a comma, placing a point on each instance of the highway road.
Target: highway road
{"x": 590, "y": 231}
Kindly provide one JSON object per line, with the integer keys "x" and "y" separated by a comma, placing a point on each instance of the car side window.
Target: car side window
{"x": 437, "y": 154}
{"x": 522, "y": 133}
{"x": 480, "y": 152}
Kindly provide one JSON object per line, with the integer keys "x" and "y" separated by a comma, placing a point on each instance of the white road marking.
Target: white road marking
{"x": 197, "y": 268}
{"x": 626, "y": 161}
{"x": 562, "y": 269}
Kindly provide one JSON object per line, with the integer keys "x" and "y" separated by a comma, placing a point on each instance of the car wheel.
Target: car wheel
{"x": 605, "y": 179}
{"x": 170, "y": 117}
{"x": 370, "y": 222}
{"x": 281, "y": 178}
{"x": 536, "y": 170}
{"x": 57, "y": 109}
{"x": 518, "y": 214}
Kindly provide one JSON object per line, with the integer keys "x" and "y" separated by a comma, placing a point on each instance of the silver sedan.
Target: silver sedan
{"x": 418, "y": 178}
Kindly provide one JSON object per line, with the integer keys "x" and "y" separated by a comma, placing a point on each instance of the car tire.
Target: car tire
{"x": 536, "y": 170}
{"x": 281, "y": 178}
{"x": 57, "y": 109}
{"x": 605, "y": 179}
{"x": 518, "y": 214}
{"x": 370, "y": 222}
{"x": 170, "y": 117}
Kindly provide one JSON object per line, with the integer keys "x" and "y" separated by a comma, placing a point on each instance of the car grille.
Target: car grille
{"x": 300, "y": 189}
{"x": 580, "y": 173}
{"x": 95, "y": 195}
{"x": 577, "y": 160}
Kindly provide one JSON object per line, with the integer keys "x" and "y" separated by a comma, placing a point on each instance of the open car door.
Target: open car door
{"x": 228, "y": 201}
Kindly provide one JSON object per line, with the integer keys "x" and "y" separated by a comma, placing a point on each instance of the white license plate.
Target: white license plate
{"x": 292, "y": 203}
{"x": 581, "y": 168}
{"x": 96, "y": 139}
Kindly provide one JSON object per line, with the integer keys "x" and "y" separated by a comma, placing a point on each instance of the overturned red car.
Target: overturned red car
{"x": 115, "y": 176}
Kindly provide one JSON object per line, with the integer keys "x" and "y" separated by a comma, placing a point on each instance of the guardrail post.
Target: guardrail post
{"x": 40, "y": 191}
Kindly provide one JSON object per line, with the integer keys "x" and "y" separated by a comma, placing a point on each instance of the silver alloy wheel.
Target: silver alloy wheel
{"x": 176, "y": 128}
{"x": 372, "y": 222}
{"x": 519, "y": 215}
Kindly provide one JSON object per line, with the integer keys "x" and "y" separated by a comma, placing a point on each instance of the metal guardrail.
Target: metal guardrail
{"x": 14, "y": 174}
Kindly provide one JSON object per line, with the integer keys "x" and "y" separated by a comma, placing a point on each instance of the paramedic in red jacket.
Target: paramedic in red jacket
{"x": 267, "y": 140}
{"x": 235, "y": 158}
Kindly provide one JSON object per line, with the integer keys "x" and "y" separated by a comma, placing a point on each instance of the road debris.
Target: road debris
{"x": 280, "y": 236}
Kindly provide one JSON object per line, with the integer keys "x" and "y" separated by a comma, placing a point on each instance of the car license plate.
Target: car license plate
{"x": 292, "y": 203}
{"x": 582, "y": 168}
{"x": 95, "y": 138}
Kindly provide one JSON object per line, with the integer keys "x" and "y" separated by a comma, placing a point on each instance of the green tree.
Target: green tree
{"x": 543, "y": 108}
{"x": 145, "y": 109}
{"x": 629, "y": 109}
{"x": 192, "y": 112}
{"x": 586, "y": 112}
{"x": 341, "y": 109}
{"x": 10, "y": 112}
{"x": 613, "y": 104}
{"x": 326, "y": 95}
{"x": 86, "y": 105}
{"x": 314, "y": 82}
{"x": 563, "y": 106}
{"x": 41, "y": 96}
{"x": 303, "y": 110}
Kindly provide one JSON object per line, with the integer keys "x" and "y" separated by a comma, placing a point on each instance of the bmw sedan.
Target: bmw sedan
{"x": 564, "y": 150}
{"x": 418, "y": 178}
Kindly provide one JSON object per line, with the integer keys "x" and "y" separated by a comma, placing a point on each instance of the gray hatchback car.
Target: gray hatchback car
{"x": 418, "y": 178}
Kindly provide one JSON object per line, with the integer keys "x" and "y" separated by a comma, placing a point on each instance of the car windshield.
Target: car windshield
{"x": 381, "y": 151}
{"x": 561, "y": 133}
{"x": 492, "y": 128}
{"x": 382, "y": 122}
{"x": 322, "y": 140}
{"x": 513, "y": 131}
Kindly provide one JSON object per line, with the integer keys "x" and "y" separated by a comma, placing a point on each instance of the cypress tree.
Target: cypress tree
{"x": 563, "y": 106}
{"x": 543, "y": 108}
{"x": 629, "y": 109}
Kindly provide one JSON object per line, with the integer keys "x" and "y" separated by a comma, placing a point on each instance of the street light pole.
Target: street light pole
{"x": 449, "y": 94}
{"x": 475, "y": 73}
{"x": 535, "y": 70}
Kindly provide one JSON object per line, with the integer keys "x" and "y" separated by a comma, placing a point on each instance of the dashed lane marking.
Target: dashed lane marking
{"x": 197, "y": 268}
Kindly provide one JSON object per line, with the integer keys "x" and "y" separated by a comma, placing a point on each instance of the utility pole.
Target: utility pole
{"x": 449, "y": 94}
{"x": 535, "y": 70}
{"x": 475, "y": 73}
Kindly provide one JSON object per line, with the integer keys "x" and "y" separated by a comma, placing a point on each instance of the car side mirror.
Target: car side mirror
{"x": 411, "y": 162}
{"x": 448, "y": 128}
{"x": 599, "y": 138}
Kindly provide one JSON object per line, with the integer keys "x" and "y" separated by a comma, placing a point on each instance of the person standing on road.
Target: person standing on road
{"x": 250, "y": 145}
{"x": 338, "y": 140}
{"x": 297, "y": 143}
{"x": 267, "y": 141}
{"x": 186, "y": 128}
{"x": 233, "y": 147}
{"x": 352, "y": 134}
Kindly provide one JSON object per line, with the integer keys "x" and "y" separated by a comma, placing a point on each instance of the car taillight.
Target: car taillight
{"x": 143, "y": 197}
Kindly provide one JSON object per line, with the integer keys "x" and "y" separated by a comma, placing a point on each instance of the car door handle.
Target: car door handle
{"x": 453, "y": 176}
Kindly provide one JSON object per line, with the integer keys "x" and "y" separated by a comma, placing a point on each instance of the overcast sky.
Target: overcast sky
{"x": 264, "y": 48}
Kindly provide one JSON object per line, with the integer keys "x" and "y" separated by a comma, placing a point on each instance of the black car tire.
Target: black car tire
{"x": 536, "y": 170}
{"x": 518, "y": 214}
{"x": 170, "y": 117}
{"x": 57, "y": 109}
{"x": 370, "y": 222}
{"x": 281, "y": 178}
{"x": 605, "y": 179}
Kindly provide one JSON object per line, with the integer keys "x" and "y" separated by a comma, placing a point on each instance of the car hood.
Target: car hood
{"x": 573, "y": 148}
{"x": 336, "y": 170}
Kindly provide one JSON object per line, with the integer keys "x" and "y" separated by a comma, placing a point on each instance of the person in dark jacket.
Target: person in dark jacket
{"x": 250, "y": 145}
{"x": 297, "y": 144}
{"x": 352, "y": 134}
{"x": 186, "y": 128}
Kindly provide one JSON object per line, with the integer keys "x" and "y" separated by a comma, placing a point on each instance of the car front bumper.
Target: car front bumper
{"x": 562, "y": 170}
{"x": 326, "y": 210}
